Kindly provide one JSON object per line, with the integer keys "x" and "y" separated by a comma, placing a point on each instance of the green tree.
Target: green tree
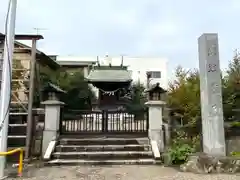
{"x": 79, "y": 95}
{"x": 184, "y": 100}
{"x": 231, "y": 89}
{"x": 184, "y": 96}
{"x": 137, "y": 97}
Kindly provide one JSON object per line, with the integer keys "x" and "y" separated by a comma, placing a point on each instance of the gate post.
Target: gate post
{"x": 155, "y": 131}
{"x": 51, "y": 122}
{"x": 52, "y": 115}
{"x": 155, "y": 104}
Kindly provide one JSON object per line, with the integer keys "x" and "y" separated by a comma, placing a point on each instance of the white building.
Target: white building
{"x": 156, "y": 66}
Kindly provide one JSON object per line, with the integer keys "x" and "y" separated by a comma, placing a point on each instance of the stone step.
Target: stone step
{"x": 101, "y": 162}
{"x": 108, "y": 135}
{"x": 101, "y": 141}
{"x": 104, "y": 155}
{"x": 16, "y": 141}
{"x": 17, "y": 129}
{"x": 96, "y": 148}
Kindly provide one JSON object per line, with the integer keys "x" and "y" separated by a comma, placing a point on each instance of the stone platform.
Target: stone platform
{"x": 203, "y": 163}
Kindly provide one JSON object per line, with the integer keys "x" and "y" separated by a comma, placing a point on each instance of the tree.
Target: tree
{"x": 79, "y": 95}
{"x": 184, "y": 96}
{"x": 231, "y": 89}
{"x": 43, "y": 75}
{"x": 137, "y": 97}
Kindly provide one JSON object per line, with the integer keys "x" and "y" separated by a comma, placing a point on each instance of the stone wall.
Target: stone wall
{"x": 232, "y": 139}
{"x": 232, "y": 135}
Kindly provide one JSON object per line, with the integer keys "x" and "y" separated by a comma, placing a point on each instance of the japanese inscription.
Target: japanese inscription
{"x": 214, "y": 87}
{"x": 212, "y": 51}
{"x": 212, "y": 68}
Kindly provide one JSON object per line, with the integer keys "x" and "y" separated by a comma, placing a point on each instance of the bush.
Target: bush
{"x": 182, "y": 147}
{"x": 235, "y": 154}
{"x": 179, "y": 154}
{"x": 235, "y": 124}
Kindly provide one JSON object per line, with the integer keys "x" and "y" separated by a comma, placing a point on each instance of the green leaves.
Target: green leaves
{"x": 79, "y": 95}
{"x": 231, "y": 89}
{"x": 138, "y": 98}
{"x": 184, "y": 100}
{"x": 184, "y": 95}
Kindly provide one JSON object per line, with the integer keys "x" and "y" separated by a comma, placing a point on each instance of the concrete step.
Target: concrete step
{"x": 17, "y": 129}
{"x": 107, "y": 135}
{"x": 100, "y": 141}
{"x": 16, "y": 141}
{"x": 101, "y": 162}
{"x": 97, "y": 148}
{"x": 103, "y": 155}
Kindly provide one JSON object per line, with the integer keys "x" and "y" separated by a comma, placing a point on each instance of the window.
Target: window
{"x": 154, "y": 74}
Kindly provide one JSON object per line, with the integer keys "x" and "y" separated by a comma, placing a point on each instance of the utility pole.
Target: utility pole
{"x": 30, "y": 100}
{"x": 6, "y": 82}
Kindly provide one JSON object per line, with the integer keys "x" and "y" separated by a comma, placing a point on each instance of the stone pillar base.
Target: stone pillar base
{"x": 157, "y": 135}
{"x": 48, "y": 135}
{"x": 203, "y": 163}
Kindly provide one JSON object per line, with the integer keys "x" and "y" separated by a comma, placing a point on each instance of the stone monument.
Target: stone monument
{"x": 213, "y": 159}
{"x": 211, "y": 96}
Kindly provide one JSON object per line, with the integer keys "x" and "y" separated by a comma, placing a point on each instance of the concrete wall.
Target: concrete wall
{"x": 232, "y": 136}
{"x": 140, "y": 65}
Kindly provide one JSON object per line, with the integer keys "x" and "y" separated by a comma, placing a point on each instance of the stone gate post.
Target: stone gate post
{"x": 155, "y": 105}
{"x": 155, "y": 132}
{"x": 51, "y": 122}
{"x": 52, "y": 115}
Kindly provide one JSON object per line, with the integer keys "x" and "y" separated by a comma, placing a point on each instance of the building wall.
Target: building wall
{"x": 81, "y": 64}
{"x": 141, "y": 65}
{"x": 83, "y": 69}
{"x": 24, "y": 59}
{"x": 138, "y": 65}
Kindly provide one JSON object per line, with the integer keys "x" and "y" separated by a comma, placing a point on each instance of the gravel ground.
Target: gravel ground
{"x": 124, "y": 172}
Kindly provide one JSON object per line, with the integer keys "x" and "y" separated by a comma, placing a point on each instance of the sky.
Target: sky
{"x": 164, "y": 28}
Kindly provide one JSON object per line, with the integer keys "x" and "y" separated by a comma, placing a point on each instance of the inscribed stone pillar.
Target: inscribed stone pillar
{"x": 211, "y": 95}
{"x": 51, "y": 122}
{"x": 155, "y": 131}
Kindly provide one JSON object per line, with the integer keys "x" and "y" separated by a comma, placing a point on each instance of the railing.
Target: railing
{"x": 20, "y": 166}
{"x": 103, "y": 121}
{"x": 80, "y": 122}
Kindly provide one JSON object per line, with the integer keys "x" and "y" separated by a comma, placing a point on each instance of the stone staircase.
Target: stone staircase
{"x": 102, "y": 150}
{"x": 16, "y": 139}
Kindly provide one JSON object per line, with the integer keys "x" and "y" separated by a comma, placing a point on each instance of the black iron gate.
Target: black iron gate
{"x": 90, "y": 122}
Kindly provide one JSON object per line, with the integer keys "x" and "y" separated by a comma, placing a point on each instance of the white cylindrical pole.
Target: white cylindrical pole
{"x": 6, "y": 83}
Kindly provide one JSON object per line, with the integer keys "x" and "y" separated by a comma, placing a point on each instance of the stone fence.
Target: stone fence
{"x": 232, "y": 135}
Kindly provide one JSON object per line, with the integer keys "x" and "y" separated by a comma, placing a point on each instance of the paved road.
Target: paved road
{"x": 125, "y": 172}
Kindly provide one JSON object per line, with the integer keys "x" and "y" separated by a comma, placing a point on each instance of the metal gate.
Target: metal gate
{"x": 90, "y": 122}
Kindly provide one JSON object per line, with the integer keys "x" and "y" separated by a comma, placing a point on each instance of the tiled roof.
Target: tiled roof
{"x": 109, "y": 75}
